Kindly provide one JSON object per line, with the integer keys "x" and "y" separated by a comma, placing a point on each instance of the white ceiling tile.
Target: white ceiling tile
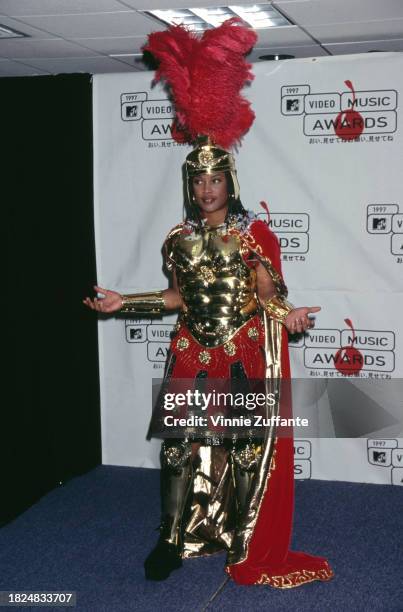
{"x": 365, "y": 47}
{"x": 150, "y": 5}
{"x": 124, "y": 23}
{"x": 92, "y": 65}
{"x": 53, "y": 47}
{"x": 57, "y": 7}
{"x": 111, "y": 45}
{"x": 10, "y": 68}
{"x": 298, "y": 51}
{"x": 315, "y": 12}
{"x": 24, "y": 28}
{"x": 105, "y": 35}
{"x": 362, "y": 31}
{"x": 287, "y": 35}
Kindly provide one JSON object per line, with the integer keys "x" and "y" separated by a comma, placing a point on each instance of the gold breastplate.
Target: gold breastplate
{"x": 217, "y": 286}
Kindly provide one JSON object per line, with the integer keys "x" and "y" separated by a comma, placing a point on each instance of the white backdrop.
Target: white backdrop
{"x": 337, "y": 208}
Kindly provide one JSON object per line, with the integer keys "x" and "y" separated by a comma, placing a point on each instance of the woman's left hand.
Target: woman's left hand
{"x": 297, "y": 321}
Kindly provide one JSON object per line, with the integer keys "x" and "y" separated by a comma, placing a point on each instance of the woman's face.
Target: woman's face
{"x": 210, "y": 191}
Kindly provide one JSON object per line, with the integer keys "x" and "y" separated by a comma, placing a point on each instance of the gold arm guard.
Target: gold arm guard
{"x": 278, "y": 308}
{"x": 143, "y": 303}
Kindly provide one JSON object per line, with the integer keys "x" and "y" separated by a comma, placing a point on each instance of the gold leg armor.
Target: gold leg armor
{"x": 245, "y": 457}
{"x": 176, "y": 479}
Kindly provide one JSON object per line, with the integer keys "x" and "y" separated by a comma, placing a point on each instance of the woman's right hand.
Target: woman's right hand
{"x": 110, "y": 303}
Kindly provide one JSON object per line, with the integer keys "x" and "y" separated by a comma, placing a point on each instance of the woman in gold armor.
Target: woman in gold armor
{"x": 233, "y": 494}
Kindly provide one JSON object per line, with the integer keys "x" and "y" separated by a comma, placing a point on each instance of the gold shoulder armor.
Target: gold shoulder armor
{"x": 169, "y": 246}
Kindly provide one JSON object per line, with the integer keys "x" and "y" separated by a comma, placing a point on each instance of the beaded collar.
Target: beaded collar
{"x": 240, "y": 222}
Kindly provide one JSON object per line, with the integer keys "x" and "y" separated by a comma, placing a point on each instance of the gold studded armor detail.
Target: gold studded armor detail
{"x": 253, "y": 333}
{"x": 204, "y": 357}
{"x": 230, "y": 348}
{"x": 182, "y": 344}
{"x": 217, "y": 286}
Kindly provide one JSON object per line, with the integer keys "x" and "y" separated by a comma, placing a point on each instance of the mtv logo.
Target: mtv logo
{"x": 136, "y": 333}
{"x": 292, "y": 105}
{"x": 380, "y": 456}
{"x": 131, "y": 111}
{"x": 379, "y": 224}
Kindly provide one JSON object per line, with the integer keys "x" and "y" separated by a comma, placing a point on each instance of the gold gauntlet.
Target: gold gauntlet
{"x": 143, "y": 303}
{"x": 278, "y": 308}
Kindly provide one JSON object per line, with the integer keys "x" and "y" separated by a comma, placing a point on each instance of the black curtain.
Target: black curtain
{"x": 50, "y": 417}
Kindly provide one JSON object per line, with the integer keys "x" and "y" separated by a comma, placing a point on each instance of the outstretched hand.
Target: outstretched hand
{"x": 297, "y": 321}
{"x": 110, "y": 303}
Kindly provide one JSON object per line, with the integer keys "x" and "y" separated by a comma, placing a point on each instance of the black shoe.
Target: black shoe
{"x": 164, "y": 559}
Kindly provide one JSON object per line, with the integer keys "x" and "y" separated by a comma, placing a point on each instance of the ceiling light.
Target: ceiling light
{"x": 257, "y": 16}
{"x": 276, "y": 57}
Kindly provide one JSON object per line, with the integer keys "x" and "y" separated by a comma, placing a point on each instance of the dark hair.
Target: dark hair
{"x": 235, "y": 206}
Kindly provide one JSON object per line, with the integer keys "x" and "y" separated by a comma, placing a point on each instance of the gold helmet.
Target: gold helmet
{"x": 208, "y": 158}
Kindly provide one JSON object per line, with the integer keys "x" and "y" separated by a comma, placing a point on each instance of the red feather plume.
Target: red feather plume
{"x": 205, "y": 76}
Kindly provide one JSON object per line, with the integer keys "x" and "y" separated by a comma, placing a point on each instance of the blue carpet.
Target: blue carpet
{"x": 92, "y": 536}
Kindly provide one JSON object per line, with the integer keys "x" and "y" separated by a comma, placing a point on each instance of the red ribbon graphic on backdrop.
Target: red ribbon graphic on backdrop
{"x": 348, "y": 359}
{"x": 265, "y": 207}
{"x": 349, "y": 123}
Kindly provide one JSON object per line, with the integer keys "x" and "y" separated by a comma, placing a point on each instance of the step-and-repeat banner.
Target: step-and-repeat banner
{"x": 326, "y": 154}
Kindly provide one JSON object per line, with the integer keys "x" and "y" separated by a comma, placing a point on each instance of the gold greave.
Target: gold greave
{"x": 211, "y": 518}
{"x": 242, "y": 481}
{"x": 151, "y": 302}
{"x": 176, "y": 480}
{"x": 245, "y": 458}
